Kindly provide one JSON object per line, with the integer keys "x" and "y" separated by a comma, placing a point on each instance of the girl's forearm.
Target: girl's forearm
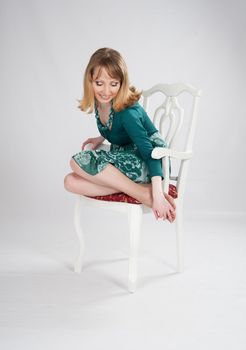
{"x": 157, "y": 190}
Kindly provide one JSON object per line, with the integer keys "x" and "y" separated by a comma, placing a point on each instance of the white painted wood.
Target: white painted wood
{"x": 160, "y": 152}
{"x": 79, "y": 232}
{"x": 179, "y": 235}
{"x": 134, "y": 219}
{"x": 171, "y": 90}
{"x": 166, "y": 182}
{"x": 169, "y": 110}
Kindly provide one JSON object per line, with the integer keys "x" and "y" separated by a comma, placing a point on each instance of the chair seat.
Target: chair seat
{"x": 122, "y": 197}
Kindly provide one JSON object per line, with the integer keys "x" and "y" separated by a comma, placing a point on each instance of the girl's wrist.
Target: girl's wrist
{"x": 157, "y": 195}
{"x": 157, "y": 191}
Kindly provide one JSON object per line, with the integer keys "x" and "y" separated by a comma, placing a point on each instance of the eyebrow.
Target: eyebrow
{"x": 110, "y": 80}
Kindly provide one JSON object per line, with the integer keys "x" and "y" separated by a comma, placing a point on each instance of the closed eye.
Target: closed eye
{"x": 98, "y": 83}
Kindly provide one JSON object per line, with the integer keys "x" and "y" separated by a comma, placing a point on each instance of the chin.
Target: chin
{"x": 104, "y": 101}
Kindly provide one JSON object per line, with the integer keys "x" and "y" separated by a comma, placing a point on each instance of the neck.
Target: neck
{"x": 104, "y": 106}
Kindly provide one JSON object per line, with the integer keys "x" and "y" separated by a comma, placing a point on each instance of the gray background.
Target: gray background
{"x": 45, "y": 46}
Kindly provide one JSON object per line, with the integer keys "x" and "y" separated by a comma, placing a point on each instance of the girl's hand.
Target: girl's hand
{"x": 94, "y": 141}
{"x": 164, "y": 208}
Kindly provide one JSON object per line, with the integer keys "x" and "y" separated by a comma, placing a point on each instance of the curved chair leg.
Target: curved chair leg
{"x": 79, "y": 232}
{"x": 180, "y": 237}
{"x": 135, "y": 220}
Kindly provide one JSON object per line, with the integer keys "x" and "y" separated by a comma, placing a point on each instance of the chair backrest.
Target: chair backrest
{"x": 170, "y": 110}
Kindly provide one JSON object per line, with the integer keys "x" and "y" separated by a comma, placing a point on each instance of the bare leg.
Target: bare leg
{"x": 113, "y": 178}
{"x": 109, "y": 181}
{"x": 76, "y": 184}
{"x": 142, "y": 192}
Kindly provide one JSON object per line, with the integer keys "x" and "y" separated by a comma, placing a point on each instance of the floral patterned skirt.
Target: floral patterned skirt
{"x": 126, "y": 158}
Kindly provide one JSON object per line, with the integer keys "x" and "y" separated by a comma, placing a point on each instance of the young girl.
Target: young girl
{"x": 127, "y": 167}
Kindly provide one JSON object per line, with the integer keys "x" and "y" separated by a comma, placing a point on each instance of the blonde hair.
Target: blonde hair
{"x": 116, "y": 67}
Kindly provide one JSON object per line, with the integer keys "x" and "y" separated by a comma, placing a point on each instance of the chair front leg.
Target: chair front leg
{"x": 79, "y": 232}
{"x": 180, "y": 237}
{"x": 134, "y": 219}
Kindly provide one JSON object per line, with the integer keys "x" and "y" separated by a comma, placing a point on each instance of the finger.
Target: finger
{"x": 169, "y": 220}
{"x": 88, "y": 143}
{"x": 173, "y": 214}
{"x": 164, "y": 217}
{"x": 83, "y": 145}
{"x": 171, "y": 208}
{"x": 170, "y": 200}
{"x": 156, "y": 215}
{"x": 169, "y": 217}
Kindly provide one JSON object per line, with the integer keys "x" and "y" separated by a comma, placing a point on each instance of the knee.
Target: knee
{"x": 72, "y": 164}
{"x": 68, "y": 182}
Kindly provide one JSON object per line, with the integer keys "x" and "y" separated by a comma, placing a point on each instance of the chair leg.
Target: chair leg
{"x": 79, "y": 232}
{"x": 135, "y": 220}
{"x": 180, "y": 238}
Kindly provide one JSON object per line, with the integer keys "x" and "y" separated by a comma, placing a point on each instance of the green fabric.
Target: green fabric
{"x": 133, "y": 137}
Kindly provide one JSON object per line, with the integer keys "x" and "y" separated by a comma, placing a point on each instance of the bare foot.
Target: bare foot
{"x": 170, "y": 200}
{"x": 146, "y": 198}
{"x": 172, "y": 203}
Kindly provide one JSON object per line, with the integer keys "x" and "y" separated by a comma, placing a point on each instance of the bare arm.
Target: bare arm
{"x": 94, "y": 141}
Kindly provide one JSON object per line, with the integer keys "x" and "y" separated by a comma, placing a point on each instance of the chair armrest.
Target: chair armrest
{"x": 160, "y": 152}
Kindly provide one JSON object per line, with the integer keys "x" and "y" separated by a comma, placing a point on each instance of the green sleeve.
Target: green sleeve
{"x": 132, "y": 122}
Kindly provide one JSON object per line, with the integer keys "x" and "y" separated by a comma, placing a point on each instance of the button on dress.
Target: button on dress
{"x": 132, "y": 136}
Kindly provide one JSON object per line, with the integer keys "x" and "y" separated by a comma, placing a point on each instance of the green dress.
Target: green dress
{"x": 132, "y": 136}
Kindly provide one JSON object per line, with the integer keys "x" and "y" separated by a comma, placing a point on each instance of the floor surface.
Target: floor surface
{"x": 45, "y": 305}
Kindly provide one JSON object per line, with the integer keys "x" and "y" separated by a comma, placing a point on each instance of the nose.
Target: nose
{"x": 106, "y": 90}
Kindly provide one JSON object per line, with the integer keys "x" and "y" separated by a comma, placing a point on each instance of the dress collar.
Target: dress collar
{"x": 107, "y": 126}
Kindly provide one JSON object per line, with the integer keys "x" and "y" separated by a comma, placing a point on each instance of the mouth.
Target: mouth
{"x": 105, "y": 97}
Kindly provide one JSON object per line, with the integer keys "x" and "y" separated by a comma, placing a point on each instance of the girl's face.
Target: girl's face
{"x": 104, "y": 86}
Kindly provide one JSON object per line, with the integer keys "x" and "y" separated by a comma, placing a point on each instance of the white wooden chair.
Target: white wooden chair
{"x": 169, "y": 110}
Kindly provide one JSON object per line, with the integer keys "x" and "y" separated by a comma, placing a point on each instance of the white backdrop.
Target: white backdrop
{"x": 45, "y": 46}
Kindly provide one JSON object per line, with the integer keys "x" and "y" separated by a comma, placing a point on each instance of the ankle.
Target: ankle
{"x": 147, "y": 196}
